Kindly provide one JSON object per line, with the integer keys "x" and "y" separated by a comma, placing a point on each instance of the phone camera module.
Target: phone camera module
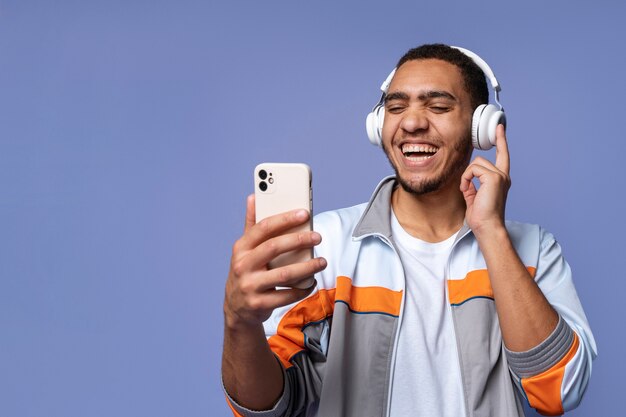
{"x": 263, "y": 184}
{"x": 263, "y": 175}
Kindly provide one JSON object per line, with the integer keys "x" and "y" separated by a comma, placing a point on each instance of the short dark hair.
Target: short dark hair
{"x": 473, "y": 76}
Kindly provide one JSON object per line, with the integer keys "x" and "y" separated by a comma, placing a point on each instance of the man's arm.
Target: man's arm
{"x": 526, "y": 318}
{"x": 544, "y": 351}
{"x": 251, "y": 374}
{"x": 525, "y": 315}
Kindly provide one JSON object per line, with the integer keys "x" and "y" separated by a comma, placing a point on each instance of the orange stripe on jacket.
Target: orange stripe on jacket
{"x": 544, "y": 390}
{"x": 368, "y": 299}
{"x": 475, "y": 284}
{"x": 289, "y": 338}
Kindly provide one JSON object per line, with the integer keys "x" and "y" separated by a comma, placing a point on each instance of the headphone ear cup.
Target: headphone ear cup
{"x": 475, "y": 124}
{"x": 484, "y": 123}
{"x": 374, "y": 125}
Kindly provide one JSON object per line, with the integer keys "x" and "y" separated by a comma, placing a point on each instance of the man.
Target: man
{"x": 427, "y": 302}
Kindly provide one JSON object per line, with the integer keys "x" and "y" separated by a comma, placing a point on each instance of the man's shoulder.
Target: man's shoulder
{"x": 524, "y": 234}
{"x": 521, "y": 227}
{"x": 338, "y": 245}
{"x": 343, "y": 219}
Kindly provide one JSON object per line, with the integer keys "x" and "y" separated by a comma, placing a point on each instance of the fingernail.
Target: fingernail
{"x": 323, "y": 262}
{"x": 316, "y": 237}
{"x": 301, "y": 214}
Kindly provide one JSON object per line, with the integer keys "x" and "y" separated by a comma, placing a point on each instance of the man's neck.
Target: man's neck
{"x": 432, "y": 217}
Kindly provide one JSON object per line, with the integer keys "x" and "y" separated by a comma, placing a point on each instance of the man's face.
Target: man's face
{"x": 427, "y": 128}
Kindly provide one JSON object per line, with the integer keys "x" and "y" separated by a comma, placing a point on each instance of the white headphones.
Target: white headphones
{"x": 484, "y": 121}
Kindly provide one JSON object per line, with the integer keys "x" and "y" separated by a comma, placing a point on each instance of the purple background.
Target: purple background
{"x": 128, "y": 135}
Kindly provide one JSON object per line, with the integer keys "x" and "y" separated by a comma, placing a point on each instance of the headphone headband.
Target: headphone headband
{"x": 482, "y": 64}
{"x": 384, "y": 87}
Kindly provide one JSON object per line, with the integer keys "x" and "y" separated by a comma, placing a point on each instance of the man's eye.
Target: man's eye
{"x": 394, "y": 109}
{"x": 439, "y": 109}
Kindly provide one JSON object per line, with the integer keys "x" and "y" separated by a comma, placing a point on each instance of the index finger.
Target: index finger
{"x": 503, "y": 160}
{"x": 273, "y": 226}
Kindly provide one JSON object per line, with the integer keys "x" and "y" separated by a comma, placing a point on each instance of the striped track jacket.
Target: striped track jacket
{"x": 337, "y": 346}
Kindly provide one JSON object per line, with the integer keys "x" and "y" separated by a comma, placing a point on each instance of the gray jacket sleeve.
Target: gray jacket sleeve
{"x": 298, "y": 336}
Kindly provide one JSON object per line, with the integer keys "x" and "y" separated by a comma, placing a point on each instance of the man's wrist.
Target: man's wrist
{"x": 490, "y": 230}
{"x": 235, "y": 324}
{"x": 492, "y": 238}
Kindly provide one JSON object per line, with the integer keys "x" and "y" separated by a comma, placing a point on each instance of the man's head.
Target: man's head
{"x": 428, "y": 114}
{"x": 473, "y": 76}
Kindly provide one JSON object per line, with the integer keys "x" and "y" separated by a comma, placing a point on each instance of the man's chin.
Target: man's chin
{"x": 419, "y": 187}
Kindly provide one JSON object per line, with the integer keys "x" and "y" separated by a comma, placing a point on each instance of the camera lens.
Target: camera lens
{"x": 263, "y": 185}
{"x": 262, "y": 174}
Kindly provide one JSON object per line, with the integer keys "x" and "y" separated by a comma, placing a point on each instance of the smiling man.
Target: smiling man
{"x": 427, "y": 302}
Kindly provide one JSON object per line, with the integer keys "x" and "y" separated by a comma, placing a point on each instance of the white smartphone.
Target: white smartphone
{"x": 281, "y": 187}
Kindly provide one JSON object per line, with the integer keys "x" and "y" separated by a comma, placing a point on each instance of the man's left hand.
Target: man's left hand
{"x": 485, "y": 205}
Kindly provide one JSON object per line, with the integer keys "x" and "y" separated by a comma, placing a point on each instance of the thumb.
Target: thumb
{"x": 250, "y": 213}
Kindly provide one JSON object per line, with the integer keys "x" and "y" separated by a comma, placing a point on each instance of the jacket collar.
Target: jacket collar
{"x": 376, "y": 219}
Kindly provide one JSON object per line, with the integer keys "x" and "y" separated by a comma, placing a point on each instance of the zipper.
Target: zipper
{"x": 449, "y": 307}
{"x": 397, "y": 332}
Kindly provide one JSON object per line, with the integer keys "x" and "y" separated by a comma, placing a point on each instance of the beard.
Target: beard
{"x": 421, "y": 186}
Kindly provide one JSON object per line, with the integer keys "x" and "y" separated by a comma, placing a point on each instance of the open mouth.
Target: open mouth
{"x": 414, "y": 152}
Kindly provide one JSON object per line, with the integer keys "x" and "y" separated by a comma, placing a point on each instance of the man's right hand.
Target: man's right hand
{"x": 251, "y": 293}
{"x": 252, "y": 376}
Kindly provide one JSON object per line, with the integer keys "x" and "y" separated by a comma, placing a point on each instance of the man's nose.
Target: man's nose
{"x": 414, "y": 120}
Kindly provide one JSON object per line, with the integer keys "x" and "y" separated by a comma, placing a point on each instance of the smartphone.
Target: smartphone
{"x": 281, "y": 187}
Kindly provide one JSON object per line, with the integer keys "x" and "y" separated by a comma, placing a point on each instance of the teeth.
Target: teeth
{"x": 418, "y": 158}
{"x": 408, "y": 147}
{"x": 409, "y": 150}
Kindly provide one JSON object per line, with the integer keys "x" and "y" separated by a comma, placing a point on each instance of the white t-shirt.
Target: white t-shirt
{"x": 427, "y": 378}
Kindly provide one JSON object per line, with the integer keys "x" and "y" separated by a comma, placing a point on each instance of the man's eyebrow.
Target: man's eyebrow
{"x": 399, "y": 95}
{"x": 436, "y": 94}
